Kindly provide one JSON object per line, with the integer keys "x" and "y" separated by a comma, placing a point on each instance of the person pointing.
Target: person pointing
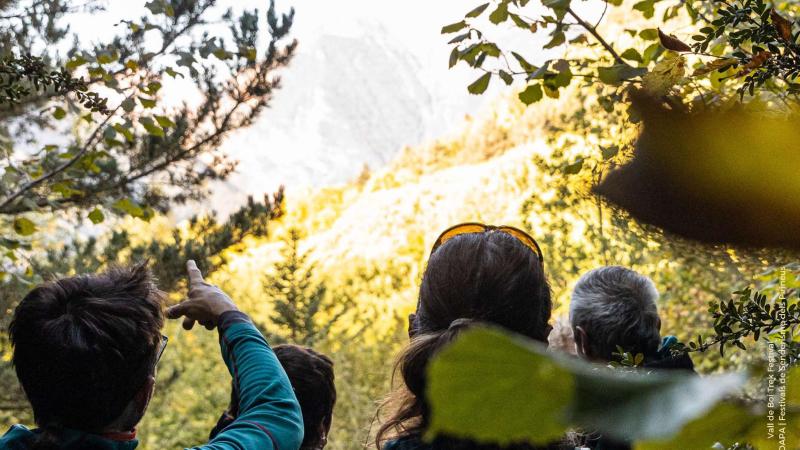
{"x": 86, "y": 348}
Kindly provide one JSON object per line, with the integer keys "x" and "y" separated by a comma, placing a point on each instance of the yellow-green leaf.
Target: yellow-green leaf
{"x": 480, "y": 85}
{"x": 96, "y": 216}
{"x": 24, "y": 226}
{"x": 531, "y": 94}
{"x": 165, "y": 121}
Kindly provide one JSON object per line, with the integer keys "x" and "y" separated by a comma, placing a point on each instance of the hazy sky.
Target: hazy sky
{"x": 369, "y": 77}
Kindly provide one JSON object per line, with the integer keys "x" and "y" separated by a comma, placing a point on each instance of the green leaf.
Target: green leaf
{"x": 173, "y": 73}
{"x": 558, "y": 39}
{"x": 518, "y": 21}
{"x": 75, "y": 62}
{"x": 153, "y": 87}
{"x": 155, "y": 6}
{"x": 573, "y": 168}
{"x": 96, "y": 216}
{"x": 526, "y": 66}
{"x": 609, "y": 152}
{"x": 59, "y": 113}
{"x": 726, "y": 424}
{"x": 619, "y": 73}
{"x": 454, "y": 56}
{"x": 221, "y": 53}
{"x": 23, "y": 226}
{"x": 151, "y": 127}
{"x": 558, "y": 5}
{"x": 125, "y": 131}
{"x": 506, "y": 77}
{"x": 490, "y": 49}
{"x": 479, "y": 86}
{"x": 632, "y": 54}
{"x": 452, "y": 28}
{"x": 165, "y": 121}
{"x": 107, "y": 58}
{"x": 531, "y": 94}
{"x": 128, "y": 105}
{"x": 478, "y": 11}
{"x": 127, "y": 205}
{"x": 487, "y": 386}
{"x": 647, "y": 7}
{"x": 652, "y": 52}
{"x": 147, "y": 102}
{"x": 500, "y": 14}
{"x": 667, "y": 73}
{"x": 650, "y": 34}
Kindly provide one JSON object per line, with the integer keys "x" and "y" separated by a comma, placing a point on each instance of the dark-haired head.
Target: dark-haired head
{"x": 311, "y": 375}
{"x": 85, "y": 349}
{"x": 490, "y": 277}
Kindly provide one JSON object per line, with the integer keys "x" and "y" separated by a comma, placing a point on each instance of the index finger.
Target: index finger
{"x": 195, "y": 276}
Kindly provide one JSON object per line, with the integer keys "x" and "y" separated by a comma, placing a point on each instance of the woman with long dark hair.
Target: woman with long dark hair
{"x": 476, "y": 273}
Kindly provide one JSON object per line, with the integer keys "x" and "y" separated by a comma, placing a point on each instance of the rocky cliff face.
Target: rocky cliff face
{"x": 346, "y": 101}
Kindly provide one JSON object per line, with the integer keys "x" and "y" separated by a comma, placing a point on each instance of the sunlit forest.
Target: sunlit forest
{"x": 658, "y": 135}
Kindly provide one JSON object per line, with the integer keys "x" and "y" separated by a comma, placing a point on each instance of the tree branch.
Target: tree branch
{"x": 599, "y": 38}
{"x": 33, "y": 183}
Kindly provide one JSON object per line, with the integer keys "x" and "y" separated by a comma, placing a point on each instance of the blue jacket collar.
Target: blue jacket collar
{"x": 18, "y": 437}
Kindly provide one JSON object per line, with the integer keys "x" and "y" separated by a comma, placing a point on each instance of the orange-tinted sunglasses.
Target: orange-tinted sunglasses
{"x": 475, "y": 227}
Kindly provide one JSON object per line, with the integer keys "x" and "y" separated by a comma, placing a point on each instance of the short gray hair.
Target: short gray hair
{"x": 616, "y": 306}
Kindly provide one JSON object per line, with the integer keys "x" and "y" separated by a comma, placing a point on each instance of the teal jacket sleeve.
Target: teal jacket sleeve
{"x": 269, "y": 415}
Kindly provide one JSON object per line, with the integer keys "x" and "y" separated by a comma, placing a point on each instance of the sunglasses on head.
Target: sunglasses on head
{"x": 475, "y": 227}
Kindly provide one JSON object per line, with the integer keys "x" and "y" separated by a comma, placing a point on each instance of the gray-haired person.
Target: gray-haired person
{"x": 616, "y": 307}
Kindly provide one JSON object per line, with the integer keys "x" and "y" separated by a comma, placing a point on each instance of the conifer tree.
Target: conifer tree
{"x": 303, "y": 308}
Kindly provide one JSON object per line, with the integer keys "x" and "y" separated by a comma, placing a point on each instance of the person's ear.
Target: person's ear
{"x": 581, "y": 342}
{"x": 144, "y": 395}
{"x": 412, "y": 325}
{"x": 323, "y": 434}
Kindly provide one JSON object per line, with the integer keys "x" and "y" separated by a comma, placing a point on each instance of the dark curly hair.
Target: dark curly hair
{"x": 84, "y": 346}
{"x": 311, "y": 375}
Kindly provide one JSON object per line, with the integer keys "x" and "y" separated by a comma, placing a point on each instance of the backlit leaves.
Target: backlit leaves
{"x": 478, "y": 10}
{"x": 667, "y": 73}
{"x": 618, "y": 73}
{"x": 96, "y": 216}
{"x": 452, "y": 28}
{"x": 487, "y": 386}
{"x": 500, "y": 14}
{"x": 24, "y": 226}
{"x": 479, "y": 86}
{"x": 531, "y": 94}
{"x": 692, "y": 172}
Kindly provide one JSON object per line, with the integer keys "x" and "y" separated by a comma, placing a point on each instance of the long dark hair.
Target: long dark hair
{"x": 487, "y": 277}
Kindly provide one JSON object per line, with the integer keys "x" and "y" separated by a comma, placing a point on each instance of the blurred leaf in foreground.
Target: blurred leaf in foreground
{"x": 717, "y": 177}
{"x": 491, "y": 386}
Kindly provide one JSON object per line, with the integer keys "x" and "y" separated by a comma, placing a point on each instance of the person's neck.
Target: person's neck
{"x": 119, "y": 435}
